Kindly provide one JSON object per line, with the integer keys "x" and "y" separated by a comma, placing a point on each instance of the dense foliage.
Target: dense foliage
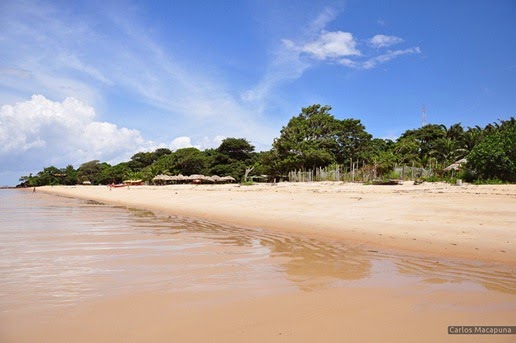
{"x": 315, "y": 139}
{"x": 495, "y": 156}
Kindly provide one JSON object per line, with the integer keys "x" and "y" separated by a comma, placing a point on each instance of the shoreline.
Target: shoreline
{"x": 437, "y": 220}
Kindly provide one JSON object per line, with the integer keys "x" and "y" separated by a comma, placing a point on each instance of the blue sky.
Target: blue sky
{"x": 83, "y": 80}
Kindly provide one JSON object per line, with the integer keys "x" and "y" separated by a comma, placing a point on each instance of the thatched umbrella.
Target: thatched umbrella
{"x": 162, "y": 178}
{"x": 208, "y": 179}
{"x": 197, "y": 178}
{"x": 182, "y": 178}
{"x": 227, "y": 179}
{"x": 456, "y": 165}
{"x": 215, "y": 178}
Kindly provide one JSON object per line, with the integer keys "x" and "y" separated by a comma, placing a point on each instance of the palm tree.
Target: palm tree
{"x": 448, "y": 150}
{"x": 472, "y": 137}
{"x": 407, "y": 150}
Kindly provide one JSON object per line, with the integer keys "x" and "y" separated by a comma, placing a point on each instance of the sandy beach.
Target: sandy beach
{"x": 468, "y": 221}
{"x": 304, "y": 262}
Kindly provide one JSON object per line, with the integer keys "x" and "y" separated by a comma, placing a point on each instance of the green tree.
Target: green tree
{"x": 352, "y": 140}
{"x": 141, "y": 160}
{"x": 495, "y": 156}
{"x": 188, "y": 161}
{"x": 89, "y": 171}
{"x": 309, "y": 140}
{"x": 238, "y": 149}
{"x": 70, "y": 177}
{"x": 416, "y": 145}
{"x": 27, "y": 181}
{"x": 447, "y": 150}
{"x": 233, "y": 157}
{"x": 380, "y": 155}
{"x": 49, "y": 176}
{"x": 471, "y": 138}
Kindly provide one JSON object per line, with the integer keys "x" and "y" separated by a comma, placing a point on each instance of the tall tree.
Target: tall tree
{"x": 90, "y": 171}
{"x": 309, "y": 140}
{"x": 233, "y": 157}
{"x": 236, "y": 148}
{"x": 188, "y": 161}
{"x": 352, "y": 140}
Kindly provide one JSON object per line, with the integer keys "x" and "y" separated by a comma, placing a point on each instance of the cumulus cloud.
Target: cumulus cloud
{"x": 182, "y": 142}
{"x": 41, "y": 131}
{"x": 382, "y": 41}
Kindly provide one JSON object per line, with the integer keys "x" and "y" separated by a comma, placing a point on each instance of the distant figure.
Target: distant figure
{"x": 34, "y": 190}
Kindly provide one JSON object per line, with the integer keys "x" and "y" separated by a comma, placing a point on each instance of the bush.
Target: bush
{"x": 489, "y": 182}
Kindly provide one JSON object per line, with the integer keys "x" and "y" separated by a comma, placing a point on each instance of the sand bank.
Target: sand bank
{"x": 469, "y": 221}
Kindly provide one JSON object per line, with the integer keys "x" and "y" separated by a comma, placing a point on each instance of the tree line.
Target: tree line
{"x": 315, "y": 139}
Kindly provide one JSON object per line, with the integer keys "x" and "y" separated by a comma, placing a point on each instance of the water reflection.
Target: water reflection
{"x": 309, "y": 263}
{"x": 54, "y": 251}
{"x": 493, "y": 278}
{"x": 313, "y": 264}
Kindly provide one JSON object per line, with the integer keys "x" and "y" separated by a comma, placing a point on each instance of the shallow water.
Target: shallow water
{"x": 56, "y": 251}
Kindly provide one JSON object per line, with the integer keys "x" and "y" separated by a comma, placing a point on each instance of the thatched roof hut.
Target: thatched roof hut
{"x": 227, "y": 179}
{"x": 181, "y": 177}
{"x": 162, "y": 178}
{"x": 456, "y": 165}
{"x": 197, "y": 178}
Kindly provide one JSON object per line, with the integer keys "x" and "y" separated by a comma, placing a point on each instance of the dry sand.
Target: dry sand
{"x": 469, "y": 221}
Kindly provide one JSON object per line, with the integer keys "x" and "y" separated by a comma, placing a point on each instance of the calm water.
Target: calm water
{"x": 57, "y": 251}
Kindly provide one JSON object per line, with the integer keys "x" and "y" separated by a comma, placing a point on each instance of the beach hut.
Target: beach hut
{"x": 182, "y": 179}
{"x": 197, "y": 178}
{"x": 215, "y": 178}
{"x": 161, "y": 179}
{"x": 456, "y": 165}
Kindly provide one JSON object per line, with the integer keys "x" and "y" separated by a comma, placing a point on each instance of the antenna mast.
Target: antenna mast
{"x": 424, "y": 116}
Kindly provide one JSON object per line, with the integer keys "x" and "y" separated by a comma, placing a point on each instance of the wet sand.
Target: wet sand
{"x": 469, "y": 221}
{"x": 366, "y": 314}
{"x": 167, "y": 277}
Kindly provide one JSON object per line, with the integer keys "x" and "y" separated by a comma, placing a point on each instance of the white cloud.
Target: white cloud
{"x": 182, "y": 142}
{"x": 326, "y": 16}
{"x": 336, "y": 47}
{"x": 377, "y": 60}
{"x": 328, "y": 45}
{"x": 47, "y": 50}
{"x": 383, "y": 41}
{"x": 41, "y": 131}
{"x": 286, "y": 64}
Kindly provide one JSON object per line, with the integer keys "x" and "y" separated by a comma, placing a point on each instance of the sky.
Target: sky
{"x": 102, "y": 80}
